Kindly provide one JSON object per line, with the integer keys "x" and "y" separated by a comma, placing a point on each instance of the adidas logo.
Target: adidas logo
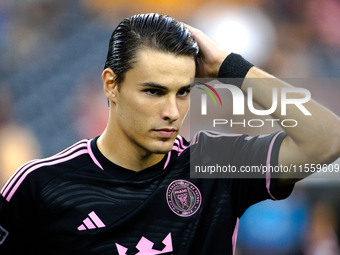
{"x": 145, "y": 247}
{"x": 91, "y": 222}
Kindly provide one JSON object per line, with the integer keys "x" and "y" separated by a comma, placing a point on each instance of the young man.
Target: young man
{"x": 129, "y": 190}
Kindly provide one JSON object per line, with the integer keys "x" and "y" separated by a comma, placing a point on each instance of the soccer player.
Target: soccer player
{"x": 129, "y": 191}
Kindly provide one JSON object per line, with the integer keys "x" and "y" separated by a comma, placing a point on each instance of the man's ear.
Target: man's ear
{"x": 109, "y": 84}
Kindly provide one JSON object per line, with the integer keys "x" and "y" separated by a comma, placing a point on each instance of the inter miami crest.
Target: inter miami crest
{"x": 183, "y": 198}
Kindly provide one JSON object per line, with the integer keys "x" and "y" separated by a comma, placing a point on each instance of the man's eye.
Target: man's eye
{"x": 184, "y": 92}
{"x": 153, "y": 91}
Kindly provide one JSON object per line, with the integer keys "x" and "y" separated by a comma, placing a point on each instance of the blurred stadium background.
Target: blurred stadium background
{"x": 52, "y": 54}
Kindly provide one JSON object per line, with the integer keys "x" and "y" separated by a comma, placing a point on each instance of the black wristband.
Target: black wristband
{"x": 234, "y": 66}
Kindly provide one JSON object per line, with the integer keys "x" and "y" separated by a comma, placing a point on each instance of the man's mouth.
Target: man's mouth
{"x": 166, "y": 132}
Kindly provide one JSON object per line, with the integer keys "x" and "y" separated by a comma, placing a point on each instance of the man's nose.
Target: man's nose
{"x": 170, "y": 109}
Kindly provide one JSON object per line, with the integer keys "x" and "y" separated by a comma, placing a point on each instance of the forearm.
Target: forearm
{"x": 317, "y": 135}
{"x": 315, "y": 138}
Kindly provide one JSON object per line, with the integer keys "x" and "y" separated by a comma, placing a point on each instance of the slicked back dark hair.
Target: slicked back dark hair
{"x": 154, "y": 31}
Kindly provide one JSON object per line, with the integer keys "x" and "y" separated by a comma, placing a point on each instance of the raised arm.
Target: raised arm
{"x": 316, "y": 138}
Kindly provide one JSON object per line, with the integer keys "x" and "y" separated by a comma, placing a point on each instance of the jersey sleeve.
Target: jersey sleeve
{"x": 18, "y": 221}
{"x": 251, "y": 158}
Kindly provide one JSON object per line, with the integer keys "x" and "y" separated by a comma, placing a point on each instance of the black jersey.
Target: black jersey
{"x": 79, "y": 202}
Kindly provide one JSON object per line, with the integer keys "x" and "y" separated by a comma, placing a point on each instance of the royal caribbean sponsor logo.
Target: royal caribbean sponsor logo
{"x": 183, "y": 198}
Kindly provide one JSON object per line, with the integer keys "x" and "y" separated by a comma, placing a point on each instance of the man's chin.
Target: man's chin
{"x": 161, "y": 150}
{"x": 163, "y": 147}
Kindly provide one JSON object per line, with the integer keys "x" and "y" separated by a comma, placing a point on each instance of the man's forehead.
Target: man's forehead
{"x": 162, "y": 68}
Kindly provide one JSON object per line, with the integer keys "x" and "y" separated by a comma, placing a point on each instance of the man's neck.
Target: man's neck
{"x": 124, "y": 155}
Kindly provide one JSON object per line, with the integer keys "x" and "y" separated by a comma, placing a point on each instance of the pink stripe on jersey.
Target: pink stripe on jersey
{"x": 96, "y": 220}
{"x": 179, "y": 149}
{"x": 14, "y": 175}
{"x": 24, "y": 168}
{"x": 69, "y": 148}
{"x": 234, "y": 238}
{"x": 88, "y": 223}
{"x": 180, "y": 140}
{"x": 167, "y": 160}
{"x": 268, "y": 164}
{"x": 92, "y": 155}
{"x": 180, "y": 145}
{"x": 22, "y": 178}
{"x": 81, "y": 227}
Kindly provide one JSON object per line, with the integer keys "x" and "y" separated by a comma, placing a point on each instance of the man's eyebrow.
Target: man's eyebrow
{"x": 158, "y": 86}
{"x": 153, "y": 85}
